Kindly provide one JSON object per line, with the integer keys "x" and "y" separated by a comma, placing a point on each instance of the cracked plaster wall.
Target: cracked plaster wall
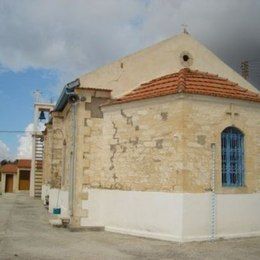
{"x": 143, "y": 147}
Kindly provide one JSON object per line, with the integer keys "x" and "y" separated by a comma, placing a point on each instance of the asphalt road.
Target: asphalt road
{"x": 26, "y": 234}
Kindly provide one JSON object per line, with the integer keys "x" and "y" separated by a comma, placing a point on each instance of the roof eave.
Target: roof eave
{"x": 63, "y": 99}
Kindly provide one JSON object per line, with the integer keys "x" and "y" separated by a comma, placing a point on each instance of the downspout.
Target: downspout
{"x": 68, "y": 96}
{"x": 63, "y": 160}
{"x": 73, "y": 159}
{"x": 213, "y": 194}
{"x": 74, "y": 107}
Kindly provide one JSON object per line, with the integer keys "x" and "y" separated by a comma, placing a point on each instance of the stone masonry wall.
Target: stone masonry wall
{"x": 144, "y": 146}
{"x": 204, "y": 119}
{"x": 53, "y": 152}
{"x": 57, "y": 150}
{"x": 46, "y": 175}
{"x": 164, "y": 144}
{"x": 89, "y": 146}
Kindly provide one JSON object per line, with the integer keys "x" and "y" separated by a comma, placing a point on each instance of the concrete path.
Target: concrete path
{"x": 26, "y": 234}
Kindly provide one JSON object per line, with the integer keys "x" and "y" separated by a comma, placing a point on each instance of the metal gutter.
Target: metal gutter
{"x": 67, "y": 90}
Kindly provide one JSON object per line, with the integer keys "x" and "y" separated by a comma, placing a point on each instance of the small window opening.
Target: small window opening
{"x": 185, "y": 57}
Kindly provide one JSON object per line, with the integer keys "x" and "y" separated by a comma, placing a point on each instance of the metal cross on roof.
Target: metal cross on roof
{"x": 184, "y": 27}
{"x": 37, "y": 96}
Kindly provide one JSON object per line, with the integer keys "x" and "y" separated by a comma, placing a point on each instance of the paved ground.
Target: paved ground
{"x": 26, "y": 234}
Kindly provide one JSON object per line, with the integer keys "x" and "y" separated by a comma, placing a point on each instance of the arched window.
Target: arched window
{"x": 232, "y": 151}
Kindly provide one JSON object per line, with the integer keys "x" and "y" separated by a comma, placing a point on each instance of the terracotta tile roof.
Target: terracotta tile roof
{"x": 24, "y": 163}
{"x": 9, "y": 168}
{"x": 191, "y": 82}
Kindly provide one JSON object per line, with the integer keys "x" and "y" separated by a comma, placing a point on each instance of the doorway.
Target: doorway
{"x": 9, "y": 182}
{"x": 24, "y": 180}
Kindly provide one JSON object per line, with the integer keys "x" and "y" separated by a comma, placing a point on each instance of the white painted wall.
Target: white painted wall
{"x": 196, "y": 216}
{"x": 45, "y": 191}
{"x": 149, "y": 214}
{"x": 59, "y": 199}
{"x": 172, "y": 216}
{"x": 3, "y": 183}
{"x": 238, "y": 215}
{"x": 15, "y": 182}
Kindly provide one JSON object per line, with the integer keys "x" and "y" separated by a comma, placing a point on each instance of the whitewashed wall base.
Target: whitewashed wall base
{"x": 59, "y": 199}
{"x": 172, "y": 216}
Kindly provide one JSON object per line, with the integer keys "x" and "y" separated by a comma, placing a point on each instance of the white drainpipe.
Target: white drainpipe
{"x": 73, "y": 159}
{"x": 213, "y": 194}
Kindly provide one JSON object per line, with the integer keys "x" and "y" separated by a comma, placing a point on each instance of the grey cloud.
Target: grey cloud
{"x": 77, "y": 36}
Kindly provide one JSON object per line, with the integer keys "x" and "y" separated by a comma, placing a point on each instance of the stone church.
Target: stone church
{"x": 163, "y": 143}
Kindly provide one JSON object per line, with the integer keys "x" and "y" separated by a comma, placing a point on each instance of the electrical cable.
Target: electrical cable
{"x": 15, "y": 131}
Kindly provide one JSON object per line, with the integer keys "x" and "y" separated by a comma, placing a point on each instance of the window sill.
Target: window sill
{"x": 234, "y": 190}
{"x": 233, "y": 187}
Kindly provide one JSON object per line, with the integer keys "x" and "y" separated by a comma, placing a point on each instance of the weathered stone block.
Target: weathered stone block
{"x": 84, "y": 195}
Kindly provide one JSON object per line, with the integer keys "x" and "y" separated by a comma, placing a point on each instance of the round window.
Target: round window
{"x": 186, "y": 59}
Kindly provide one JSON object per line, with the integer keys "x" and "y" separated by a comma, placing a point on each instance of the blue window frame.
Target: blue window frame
{"x": 232, "y": 151}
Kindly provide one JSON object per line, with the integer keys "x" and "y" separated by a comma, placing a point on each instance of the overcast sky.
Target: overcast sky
{"x": 51, "y": 42}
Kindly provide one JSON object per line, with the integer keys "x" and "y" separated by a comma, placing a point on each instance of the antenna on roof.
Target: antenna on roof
{"x": 184, "y": 28}
{"x": 245, "y": 69}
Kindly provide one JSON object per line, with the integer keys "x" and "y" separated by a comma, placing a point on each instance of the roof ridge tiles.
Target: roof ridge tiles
{"x": 189, "y": 81}
{"x": 181, "y": 85}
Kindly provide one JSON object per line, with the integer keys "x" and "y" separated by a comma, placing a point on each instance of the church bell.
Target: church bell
{"x": 42, "y": 116}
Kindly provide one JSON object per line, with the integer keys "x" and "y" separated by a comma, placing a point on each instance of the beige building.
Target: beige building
{"x": 16, "y": 176}
{"x": 164, "y": 143}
